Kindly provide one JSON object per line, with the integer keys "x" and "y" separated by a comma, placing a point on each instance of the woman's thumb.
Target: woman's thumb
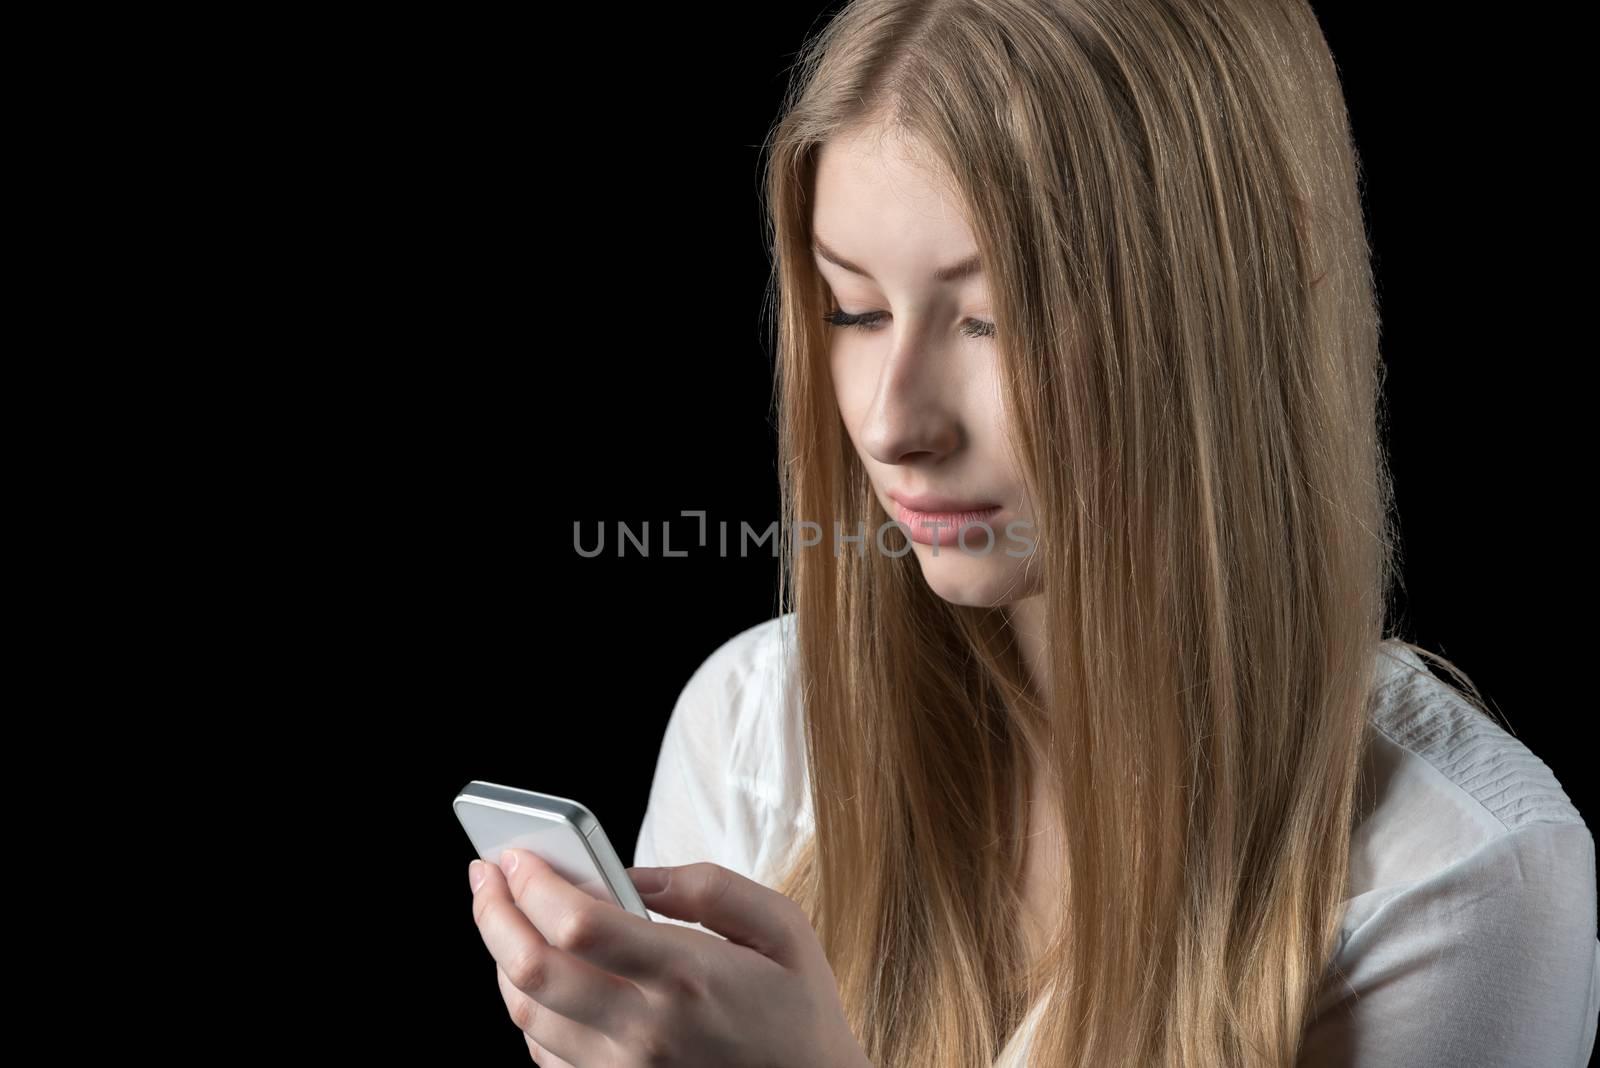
{"x": 649, "y": 880}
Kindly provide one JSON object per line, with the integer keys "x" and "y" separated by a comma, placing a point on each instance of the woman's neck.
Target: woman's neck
{"x": 1026, "y": 618}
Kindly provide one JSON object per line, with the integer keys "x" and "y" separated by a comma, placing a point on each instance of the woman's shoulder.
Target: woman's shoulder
{"x": 747, "y": 654}
{"x": 743, "y": 693}
{"x": 1469, "y": 930}
{"x": 733, "y": 686}
{"x": 1441, "y": 779}
{"x": 730, "y": 780}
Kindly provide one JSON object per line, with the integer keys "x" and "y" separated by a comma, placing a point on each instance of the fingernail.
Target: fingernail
{"x": 508, "y": 862}
{"x": 648, "y": 880}
{"x": 475, "y": 874}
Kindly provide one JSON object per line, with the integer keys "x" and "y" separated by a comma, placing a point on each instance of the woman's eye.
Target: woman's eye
{"x": 864, "y": 321}
{"x": 974, "y": 328}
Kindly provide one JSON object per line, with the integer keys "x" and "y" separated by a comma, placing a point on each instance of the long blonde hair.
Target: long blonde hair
{"x": 1165, "y": 198}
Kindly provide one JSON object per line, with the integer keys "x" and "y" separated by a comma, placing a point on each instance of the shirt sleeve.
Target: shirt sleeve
{"x": 1490, "y": 962}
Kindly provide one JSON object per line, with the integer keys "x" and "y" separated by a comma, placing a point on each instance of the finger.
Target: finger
{"x": 543, "y": 1057}
{"x": 559, "y": 981}
{"x": 740, "y": 909}
{"x": 553, "y": 1039}
{"x": 604, "y": 934}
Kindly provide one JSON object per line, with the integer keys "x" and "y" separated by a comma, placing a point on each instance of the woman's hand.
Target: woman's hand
{"x": 593, "y": 986}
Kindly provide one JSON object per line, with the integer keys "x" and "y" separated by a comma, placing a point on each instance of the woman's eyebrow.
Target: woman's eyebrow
{"x": 954, "y": 273}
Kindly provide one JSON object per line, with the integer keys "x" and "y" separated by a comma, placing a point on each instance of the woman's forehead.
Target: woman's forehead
{"x": 875, "y": 206}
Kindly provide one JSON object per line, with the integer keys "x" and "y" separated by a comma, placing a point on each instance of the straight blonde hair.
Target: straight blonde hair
{"x": 1165, "y": 198}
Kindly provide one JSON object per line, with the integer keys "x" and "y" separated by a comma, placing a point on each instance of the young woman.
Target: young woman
{"x": 1150, "y": 785}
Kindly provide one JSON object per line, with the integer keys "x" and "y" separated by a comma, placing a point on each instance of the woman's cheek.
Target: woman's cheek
{"x": 853, "y": 384}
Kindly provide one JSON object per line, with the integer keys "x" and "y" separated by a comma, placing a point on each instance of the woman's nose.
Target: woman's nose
{"x": 913, "y": 411}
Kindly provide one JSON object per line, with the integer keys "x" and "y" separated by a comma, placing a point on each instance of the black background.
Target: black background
{"x": 520, "y": 281}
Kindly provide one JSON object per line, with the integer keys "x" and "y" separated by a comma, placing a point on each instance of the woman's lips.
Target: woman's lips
{"x": 944, "y": 528}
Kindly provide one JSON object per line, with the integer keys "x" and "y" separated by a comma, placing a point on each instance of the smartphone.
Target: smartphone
{"x": 560, "y": 831}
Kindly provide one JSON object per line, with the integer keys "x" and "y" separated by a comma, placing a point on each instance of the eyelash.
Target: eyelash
{"x": 870, "y": 320}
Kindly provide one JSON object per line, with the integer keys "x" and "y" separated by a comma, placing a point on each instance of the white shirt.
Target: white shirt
{"x": 1469, "y": 935}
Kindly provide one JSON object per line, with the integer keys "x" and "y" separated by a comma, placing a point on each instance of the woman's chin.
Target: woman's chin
{"x": 974, "y": 581}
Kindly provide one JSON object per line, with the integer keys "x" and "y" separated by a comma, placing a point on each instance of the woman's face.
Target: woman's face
{"x": 918, "y": 381}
